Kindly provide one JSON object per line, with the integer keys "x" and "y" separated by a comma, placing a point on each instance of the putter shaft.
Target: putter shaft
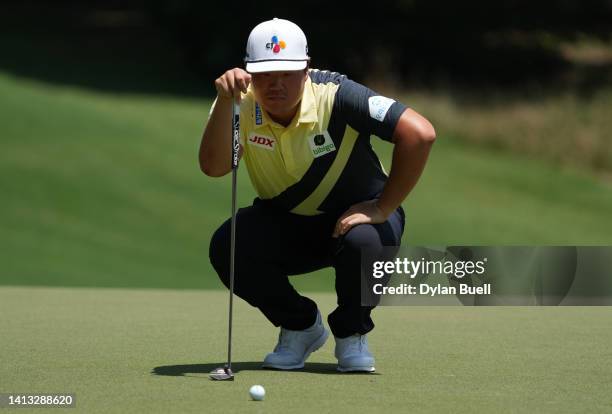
{"x": 225, "y": 373}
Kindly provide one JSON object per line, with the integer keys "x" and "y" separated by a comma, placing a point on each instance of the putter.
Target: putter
{"x": 225, "y": 373}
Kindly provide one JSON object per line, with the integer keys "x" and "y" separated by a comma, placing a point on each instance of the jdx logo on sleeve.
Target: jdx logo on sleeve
{"x": 321, "y": 144}
{"x": 262, "y": 141}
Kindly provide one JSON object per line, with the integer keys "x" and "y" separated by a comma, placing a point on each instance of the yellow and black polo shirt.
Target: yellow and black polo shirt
{"x": 323, "y": 161}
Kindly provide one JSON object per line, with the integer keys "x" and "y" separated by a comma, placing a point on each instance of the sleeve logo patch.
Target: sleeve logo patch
{"x": 321, "y": 144}
{"x": 379, "y": 106}
{"x": 262, "y": 141}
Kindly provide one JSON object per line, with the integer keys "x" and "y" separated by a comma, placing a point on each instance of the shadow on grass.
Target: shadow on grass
{"x": 185, "y": 370}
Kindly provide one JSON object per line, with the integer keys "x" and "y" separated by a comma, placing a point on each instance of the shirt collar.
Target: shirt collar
{"x": 308, "y": 109}
{"x": 308, "y": 106}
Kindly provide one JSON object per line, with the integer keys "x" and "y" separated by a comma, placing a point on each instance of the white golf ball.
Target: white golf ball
{"x": 257, "y": 392}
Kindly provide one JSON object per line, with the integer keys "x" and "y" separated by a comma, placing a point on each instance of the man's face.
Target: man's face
{"x": 279, "y": 93}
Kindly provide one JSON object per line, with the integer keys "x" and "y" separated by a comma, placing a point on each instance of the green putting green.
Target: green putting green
{"x": 123, "y": 351}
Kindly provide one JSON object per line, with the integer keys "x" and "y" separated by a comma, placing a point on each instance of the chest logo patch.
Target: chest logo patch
{"x": 262, "y": 141}
{"x": 321, "y": 144}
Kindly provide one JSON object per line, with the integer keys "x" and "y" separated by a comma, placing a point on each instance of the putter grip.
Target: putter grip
{"x": 235, "y": 134}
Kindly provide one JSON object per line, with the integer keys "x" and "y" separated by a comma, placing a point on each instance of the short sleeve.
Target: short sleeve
{"x": 366, "y": 111}
{"x": 242, "y": 136}
{"x": 242, "y": 115}
{"x": 212, "y": 108}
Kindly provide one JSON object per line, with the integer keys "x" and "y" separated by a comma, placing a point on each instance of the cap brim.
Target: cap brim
{"x": 275, "y": 66}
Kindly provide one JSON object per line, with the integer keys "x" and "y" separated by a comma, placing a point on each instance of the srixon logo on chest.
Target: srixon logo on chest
{"x": 262, "y": 141}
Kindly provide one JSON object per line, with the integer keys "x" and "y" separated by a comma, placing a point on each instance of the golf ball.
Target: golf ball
{"x": 257, "y": 392}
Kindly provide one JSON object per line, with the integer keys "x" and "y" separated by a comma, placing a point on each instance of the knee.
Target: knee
{"x": 362, "y": 236}
{"x": 219, "y": 252}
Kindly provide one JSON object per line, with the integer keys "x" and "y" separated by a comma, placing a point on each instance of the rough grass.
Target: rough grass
{"x": 564, "y": 128}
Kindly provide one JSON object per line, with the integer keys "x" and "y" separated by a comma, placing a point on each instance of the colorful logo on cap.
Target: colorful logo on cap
{"x": 276, "y": 45}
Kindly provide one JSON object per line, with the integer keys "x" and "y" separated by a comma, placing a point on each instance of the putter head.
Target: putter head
{"x": 222, "y": 374}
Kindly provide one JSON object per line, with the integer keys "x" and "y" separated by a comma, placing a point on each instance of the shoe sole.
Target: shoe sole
{"x": 356, "y": 369}
{"x": 312, "y": 348}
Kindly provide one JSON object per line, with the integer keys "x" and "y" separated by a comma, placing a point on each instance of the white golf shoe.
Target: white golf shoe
{"x": 294, "y": 347}
{"x": 353, "y": 354}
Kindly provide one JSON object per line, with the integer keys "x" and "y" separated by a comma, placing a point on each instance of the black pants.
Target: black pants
{"x": 272, "y": 245}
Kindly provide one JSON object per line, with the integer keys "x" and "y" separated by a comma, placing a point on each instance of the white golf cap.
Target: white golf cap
{"x": 276, "y": 45}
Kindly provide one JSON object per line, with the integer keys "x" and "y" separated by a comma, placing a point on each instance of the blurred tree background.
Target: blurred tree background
{"x": 402, "y": 43}
{"x": 472, "y": 43}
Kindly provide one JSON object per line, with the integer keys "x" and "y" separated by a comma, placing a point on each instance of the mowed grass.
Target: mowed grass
{"x": 105, "y": 190}
{"x": 129, "y": 350}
